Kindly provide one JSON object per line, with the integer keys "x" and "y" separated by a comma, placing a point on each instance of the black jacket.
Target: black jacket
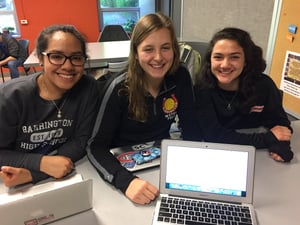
{"x": 114, "y": 127}
{"x": 218, "y": 124}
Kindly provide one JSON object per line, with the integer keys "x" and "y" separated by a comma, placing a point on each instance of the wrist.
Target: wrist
{"x": 43, "y": 163}
{"x": 270, "y": 138}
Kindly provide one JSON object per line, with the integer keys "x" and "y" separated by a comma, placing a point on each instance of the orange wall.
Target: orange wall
{"x": 42, "y": 13}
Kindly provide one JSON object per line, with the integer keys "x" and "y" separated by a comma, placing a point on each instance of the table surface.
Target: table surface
{"x": 98, "y": 52}
{"x": 276, "y": 194}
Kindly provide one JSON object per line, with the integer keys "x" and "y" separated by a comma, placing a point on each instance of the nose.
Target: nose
{"x": 157, "y": 55}
{"x": 67, "y": 63}
{"x": 225, "y": 62}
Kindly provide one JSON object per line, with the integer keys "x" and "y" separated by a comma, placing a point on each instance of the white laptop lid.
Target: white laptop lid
{"x": 222, "y": 172}
{"x": 37, "y": 205}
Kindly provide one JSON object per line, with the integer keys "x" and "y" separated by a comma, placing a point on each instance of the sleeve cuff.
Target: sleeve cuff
{"x": 38, "y": 176}
{"x": 270, "y": 139}
{"x": 283, "y": 149}
{"x": 123, "y": 179}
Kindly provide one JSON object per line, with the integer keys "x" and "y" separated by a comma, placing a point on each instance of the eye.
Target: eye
{"x": 57, "y": 56}
{"x": 77, "y": 57}
{"x": 148, "y": 49}
{"x": 235, "y": 57}
{"x": 217, "y": 57}
{"x": 166, "y": 48}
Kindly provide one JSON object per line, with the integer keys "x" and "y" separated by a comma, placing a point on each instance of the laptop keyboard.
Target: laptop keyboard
{"x": 198, "y": 212}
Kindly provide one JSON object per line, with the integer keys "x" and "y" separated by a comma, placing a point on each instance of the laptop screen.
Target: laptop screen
{"x": 223, "y": 172}
{"x": 207, "y": 170}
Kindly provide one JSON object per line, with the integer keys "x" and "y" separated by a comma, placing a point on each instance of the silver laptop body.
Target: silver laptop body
{"x": 218, "y": 175}
{"x": 48, "y": 206}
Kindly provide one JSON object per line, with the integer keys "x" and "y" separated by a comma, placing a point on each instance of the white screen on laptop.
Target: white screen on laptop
{"x": 218, "y": 171}
{"x": 205, "y": 170}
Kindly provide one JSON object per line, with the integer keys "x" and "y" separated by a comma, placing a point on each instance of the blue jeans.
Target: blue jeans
{"x": 13, "y": 67}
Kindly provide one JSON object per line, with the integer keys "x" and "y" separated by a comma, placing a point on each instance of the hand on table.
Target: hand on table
{"x": 141, "y": 192}
{"x": 13, "y": 176}
{"x": 276, "y": 157}
{"x": 56, "y": 166}
{"x": 281, "y": 133}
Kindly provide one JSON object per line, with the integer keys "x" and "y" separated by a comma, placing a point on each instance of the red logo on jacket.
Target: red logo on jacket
{"x": 257, "y": 108}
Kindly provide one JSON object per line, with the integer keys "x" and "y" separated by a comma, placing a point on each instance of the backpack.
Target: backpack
{"x": 191, "y": 59}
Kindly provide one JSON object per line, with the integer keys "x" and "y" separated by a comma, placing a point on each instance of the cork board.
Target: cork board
{"x": 285, "y": 66}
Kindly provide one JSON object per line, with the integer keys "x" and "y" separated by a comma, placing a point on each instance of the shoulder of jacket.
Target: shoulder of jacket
{"x": 181, "y": 73}
{"x": 264, "y": 79}
{"x": 19, "y": 88}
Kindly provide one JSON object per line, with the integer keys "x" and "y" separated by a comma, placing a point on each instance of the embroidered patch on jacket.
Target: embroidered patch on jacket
{"x": 170, "y": 105}
{"x": 257, "y": 108}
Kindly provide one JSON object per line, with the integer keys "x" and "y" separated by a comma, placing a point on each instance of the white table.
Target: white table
{"x": 276, "y": 194}
{"x": 98, "y": 52}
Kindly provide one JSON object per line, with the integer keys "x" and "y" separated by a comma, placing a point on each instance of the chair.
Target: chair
{"x": 117, "y": 66}
{"x": 25, "y": 44}
{"x": 111, "y": 68}
{"x": 113, "y": 33}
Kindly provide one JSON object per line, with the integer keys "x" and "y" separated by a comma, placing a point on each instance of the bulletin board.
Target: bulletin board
{"x": 285, "y": 66}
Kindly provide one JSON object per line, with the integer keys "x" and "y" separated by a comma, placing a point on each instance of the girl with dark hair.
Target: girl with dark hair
{"x": 233, "y": 94}
{"x": 46, "y": 118}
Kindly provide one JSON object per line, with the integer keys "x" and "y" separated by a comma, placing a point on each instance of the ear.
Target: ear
{"x": 41, "y": 60}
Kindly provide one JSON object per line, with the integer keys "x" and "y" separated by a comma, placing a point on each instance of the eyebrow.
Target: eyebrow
{"x": 232, "y": 53}
{"x": 150, "y": 45}
{"x": 167, "y": 43}
{"x": 72, "y": 53}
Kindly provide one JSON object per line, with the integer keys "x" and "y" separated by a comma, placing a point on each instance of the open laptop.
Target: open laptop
{"x": 205, "y": 183}
{"x": 46, "y": 202}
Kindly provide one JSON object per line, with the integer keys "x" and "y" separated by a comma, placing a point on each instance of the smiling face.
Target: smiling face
{"x": 60, "y": 78}
{"x": 227, "y": 63}
{"x": 155, "y": 54}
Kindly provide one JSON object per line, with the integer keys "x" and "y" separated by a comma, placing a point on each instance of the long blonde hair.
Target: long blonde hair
{"x": 135, "y": 82}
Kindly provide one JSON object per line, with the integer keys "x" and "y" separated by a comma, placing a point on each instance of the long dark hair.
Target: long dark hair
{"x": 255, "y": 63}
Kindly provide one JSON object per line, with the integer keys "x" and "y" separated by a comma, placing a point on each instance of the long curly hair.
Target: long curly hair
{"x": 136, "y": 80}
{"x": 255, "y": 63}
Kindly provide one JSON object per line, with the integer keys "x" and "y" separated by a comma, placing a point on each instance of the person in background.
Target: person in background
{"x": 47, "y": 118}
{"x": 143, "y": 104}
{"x": 12, "y": 54}
{"x": 232, "y": 93}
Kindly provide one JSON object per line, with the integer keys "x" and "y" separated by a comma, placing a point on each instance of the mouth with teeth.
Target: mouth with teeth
{"x": 225, "y": 71}
{"x": 157, "y": 66}
{"x": 66, "y": 76}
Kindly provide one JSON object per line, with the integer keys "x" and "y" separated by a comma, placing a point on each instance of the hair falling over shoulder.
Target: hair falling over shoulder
{"x": 135, "y": 82}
